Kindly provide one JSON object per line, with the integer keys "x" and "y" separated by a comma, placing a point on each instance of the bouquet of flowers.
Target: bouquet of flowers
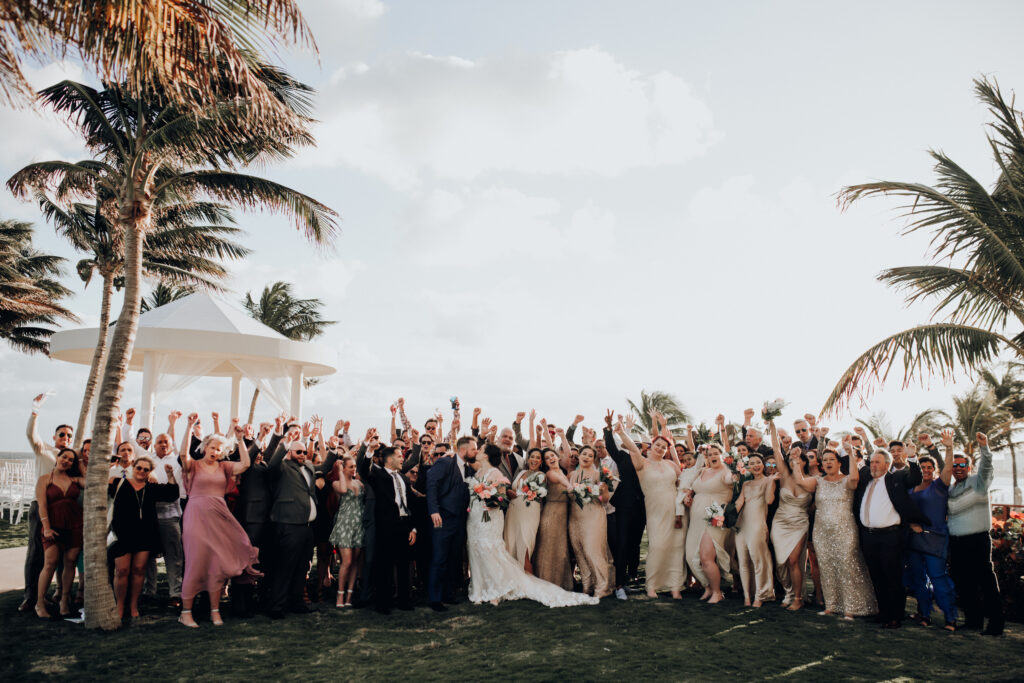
{"x": 585, "y": 492}
{"x": 714, "y": 514}
{"x": 493, "y": 495}
{"x": 608, "y": 478}
{"x": 533, "y": 488}
{"x": 772, "y": 409}
{"x": 738, "y": 464}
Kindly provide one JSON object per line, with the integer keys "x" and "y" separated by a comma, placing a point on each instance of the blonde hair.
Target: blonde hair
{"x": 152, "y": 465}
{"x": 208, "y": 439}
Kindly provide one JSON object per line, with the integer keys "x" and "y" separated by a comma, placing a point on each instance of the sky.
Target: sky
{"x": 555, "y": 205}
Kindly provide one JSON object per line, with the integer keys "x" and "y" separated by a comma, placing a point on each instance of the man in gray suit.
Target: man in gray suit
{"x": 509, "y": 463}
{"x": 292, "y": 514}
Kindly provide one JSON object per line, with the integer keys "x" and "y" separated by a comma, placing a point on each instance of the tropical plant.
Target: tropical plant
{"x": 930, "y": 421}
{"x": 1008, "y": 390}
{"x": 148, "y": 153}
{"x": 976, "y": 278}
{"x": 185, "y": 245}
{"x": 294, "y": 318}
{"x": 30, "y": 293}
{"x": 663, "y": 402}
{"x": 170, "y": 46}
{"x": 164, "y": 293}
{"x": 976, "y": 411}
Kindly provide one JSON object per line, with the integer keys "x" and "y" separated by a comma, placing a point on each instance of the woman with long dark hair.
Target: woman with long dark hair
{"x": 61, "y": 516}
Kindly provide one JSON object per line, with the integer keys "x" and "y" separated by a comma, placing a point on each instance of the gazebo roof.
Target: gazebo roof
{"x": 201, "y": 326}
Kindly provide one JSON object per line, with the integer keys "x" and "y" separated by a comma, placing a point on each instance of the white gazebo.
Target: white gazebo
{"x": 201, "y": 336}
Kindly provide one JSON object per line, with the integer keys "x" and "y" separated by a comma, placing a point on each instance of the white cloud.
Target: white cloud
{"x": 419, "y": 115}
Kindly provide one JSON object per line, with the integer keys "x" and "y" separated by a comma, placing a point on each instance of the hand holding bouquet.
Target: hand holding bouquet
{"x": 714, "y": 515}
{"x": 493, "y": 495}
{"x": 772, "y": 409}
{"x": 533, "y": 488}
{"x": 585, "y": 492}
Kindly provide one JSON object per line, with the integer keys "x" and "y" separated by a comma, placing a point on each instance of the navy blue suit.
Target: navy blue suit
{"x": 447, "y": 495}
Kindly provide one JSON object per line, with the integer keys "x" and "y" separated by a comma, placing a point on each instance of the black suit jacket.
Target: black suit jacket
{"x": 291, "y": 492}
{"x": 628, "y": 492}
{"x": 447, "y": 492}
{"x": 386, "y": 513}
{"x": 254, "y": 491}
{"x": 899, "y": 485}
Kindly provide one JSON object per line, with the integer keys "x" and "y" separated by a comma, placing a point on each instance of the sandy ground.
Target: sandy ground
{"x": 12, "y": 568}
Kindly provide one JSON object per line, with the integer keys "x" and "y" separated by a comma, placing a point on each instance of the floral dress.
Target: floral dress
{"x": 348, "y": 524}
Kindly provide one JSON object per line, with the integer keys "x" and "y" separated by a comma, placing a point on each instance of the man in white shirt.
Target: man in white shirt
{"x": 169, "y": 523}
{"x": 884, "y": 512}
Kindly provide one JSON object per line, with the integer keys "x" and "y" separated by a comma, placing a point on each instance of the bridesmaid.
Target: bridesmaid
{"x": 522, "y": 520}
{"x": 666, "y": 542}
{"x": 347, "y": 534}
{"x": 588, "y": 531}
{"x": 844, "y": 576}
{"x": 789, "y": 527}
{"x": 707, "y": 551}
{"x": 552, "y": 550}
{"x": 755, "y": 559}
{"x": 216, "y": 546}
{"x": 814, "y": 470}
{"x": 60, "y": 514}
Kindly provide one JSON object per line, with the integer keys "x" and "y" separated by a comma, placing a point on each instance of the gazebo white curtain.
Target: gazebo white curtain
{"x": 187, "y": 369}
{"x": 272, "y": 379}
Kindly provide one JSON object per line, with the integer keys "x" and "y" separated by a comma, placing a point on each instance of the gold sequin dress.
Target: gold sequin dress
{"x": 844, "y": 576}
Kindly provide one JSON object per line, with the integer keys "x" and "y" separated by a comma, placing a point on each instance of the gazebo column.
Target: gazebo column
{"x": 297, "y": 392}
{"x": 148, "y": 409}
{"x": 236, "y": 391}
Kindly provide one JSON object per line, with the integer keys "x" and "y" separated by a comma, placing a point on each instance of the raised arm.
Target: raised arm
{"x": 406, "y": 425}
{"x": 808, "y": 484}
{"x": 517, "y": 429}
{"x": 634, "y": 453}
{"x": 184, "y": 455}
{"x": 243, "y": 453}
{"x": 947, "y": 465}
{"x": 689, "y": 439}
{"x": 985, "y": 471}
{"x": 394, "y": 431}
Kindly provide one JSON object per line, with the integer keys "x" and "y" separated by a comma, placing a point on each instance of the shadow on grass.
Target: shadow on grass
{"x": 638, "y": 640}
{"x": 13, "y": 535}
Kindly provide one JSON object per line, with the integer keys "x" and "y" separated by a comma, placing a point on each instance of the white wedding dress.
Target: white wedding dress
{"x": 494, "y": 574}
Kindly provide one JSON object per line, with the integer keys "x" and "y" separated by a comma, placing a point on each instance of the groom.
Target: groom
{"x": 447, "y": 503}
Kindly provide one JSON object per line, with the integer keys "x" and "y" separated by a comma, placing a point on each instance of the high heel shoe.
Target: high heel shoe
{"x": 181, "y": 619}
{"x": 217, "y": 621}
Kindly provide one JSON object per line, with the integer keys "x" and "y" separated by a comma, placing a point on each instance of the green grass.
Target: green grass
{"x": 13, "y": 535}
{"x": 639, "y": 640}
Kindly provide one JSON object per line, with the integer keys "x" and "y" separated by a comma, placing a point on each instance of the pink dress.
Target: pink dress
{"x": 216, "y": 546}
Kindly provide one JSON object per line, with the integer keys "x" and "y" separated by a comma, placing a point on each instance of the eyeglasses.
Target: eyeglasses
{"x": 800, "y": 431}
{"x": 299, "y": 452}
{"x": 961, "y": 465}
{"x": 142, "y": 468}
{"x": 63, "y": 434}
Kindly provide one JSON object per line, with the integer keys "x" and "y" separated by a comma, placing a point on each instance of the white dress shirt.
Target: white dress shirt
{"x": 168, "y": 510}
{"x": 400, "y": 499}
{"x": 876, "y": 509}
{"x": 312, "y": 503}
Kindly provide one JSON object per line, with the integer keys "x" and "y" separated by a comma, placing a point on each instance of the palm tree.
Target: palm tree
{"x": 149, "y": 153}
{"x": 978, "y": 411}
{"x": 170, "y": 46}
{"x": 665, "y": 403}
{"x": 280, "y": 310}
{"x": 165, "y": 293}
{"x": 30, "y": 294}
{"x": 187, "y": 240}
{"x": 878, "y": 424}
{"x": 1008, "y": 391}
{"x": 976, "y": 280}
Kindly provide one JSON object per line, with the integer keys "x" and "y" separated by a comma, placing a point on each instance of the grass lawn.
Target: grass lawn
{"x": 639, "y": 640}
{"x": 13, "y": 535}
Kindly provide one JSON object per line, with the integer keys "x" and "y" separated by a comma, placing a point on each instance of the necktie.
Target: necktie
{"x": 400, "y": 490}
{"x": 867, "y": 503}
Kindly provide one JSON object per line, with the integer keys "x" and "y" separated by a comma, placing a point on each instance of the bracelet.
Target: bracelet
{"x": 42, "y": 518}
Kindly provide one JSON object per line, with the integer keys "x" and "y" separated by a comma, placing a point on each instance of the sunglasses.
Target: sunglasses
{"x": 801, "y": 431}
{"x": 771, "y": 464}
{"x": 63, "y": 434}
{"x": 961, "y": 465}
{"x": 299, "y": 452}
{"x": 142, "y": 468}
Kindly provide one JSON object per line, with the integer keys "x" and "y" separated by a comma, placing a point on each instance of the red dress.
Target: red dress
{"x": 65, "y": 515}
{"x": 216, "y": 547}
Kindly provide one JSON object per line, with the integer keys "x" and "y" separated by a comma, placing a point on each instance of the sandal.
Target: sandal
{"x": 216, "y": 621}
{"x": 950, "y": 626}
{"x": 918, "y": 619}
{"x": 182, "y": 622}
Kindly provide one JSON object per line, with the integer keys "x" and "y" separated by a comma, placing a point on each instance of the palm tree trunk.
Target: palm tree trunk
{"x": 100, "y": 608}
{"x": 99, "y": 357}
{"x": 1013, "y": 464}
{"x": 252, "y": 406}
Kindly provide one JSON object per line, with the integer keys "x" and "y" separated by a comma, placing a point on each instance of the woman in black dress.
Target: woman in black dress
{"x": 133, "y": 527}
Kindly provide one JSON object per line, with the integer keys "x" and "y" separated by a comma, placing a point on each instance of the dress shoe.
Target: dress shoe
{"x": 452, "y": 601}
{"x": 620, "y": 594}
{"x": 438, "y": 607}
{"x": 302, "y": 608}
{"x": 275, "y": 614}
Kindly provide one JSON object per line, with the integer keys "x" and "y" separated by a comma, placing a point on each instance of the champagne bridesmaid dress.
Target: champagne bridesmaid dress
{"x": 522, "y": 522}
{"x": 752, "y": 542}
{"x": 666, "y": 544}
{"x": 789, "y": 530}
{"x": 551, "y": 561}
{"x": 714, "y": 489}
{"x": 588, "y": 532}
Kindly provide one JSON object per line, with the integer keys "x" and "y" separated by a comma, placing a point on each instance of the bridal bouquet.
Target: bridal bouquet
{"x": 493, "y": 495}
{"x": 714, "y": 514}
{"x": 533, "y": 488}
{"x": 772, "y": 409}
{"x": 609, "y": 479}
{"x": 585, "y": 492}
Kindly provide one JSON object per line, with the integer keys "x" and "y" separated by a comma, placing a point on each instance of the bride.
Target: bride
{"x": 494, "y": 574}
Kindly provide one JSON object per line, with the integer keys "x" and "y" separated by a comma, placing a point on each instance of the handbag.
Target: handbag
{"x": 111, "y": 536}
{"x": 929, "y": 542}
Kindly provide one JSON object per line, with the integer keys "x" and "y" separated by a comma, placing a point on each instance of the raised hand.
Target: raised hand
{"x": 129, "y": 415}
{"x": 477, "y": 411}
{"x": 630, "y": 423}
{"x": 748, "y": 415}
{"x": 519, "y": 416}
{"x": 811, "y": 419}
{"x": 394, "y": 410}
{"x": 485, "y": 425}
{"x": 193, "y": 418}
{"x": 401, "y": 403}
{"x": 608, "y": 418}
{"x": 880, "y": 442}
{"x": 982, "y": 439}
{"x": 174, "y": 416}
{"x": 925, "y": 439}
{"x": 720, "y": 420}
{"x": 947, "y": 438}
{"x": 215, "y": 416}
{"x": 859, "y": 431}
{"x": 577, "y": 419}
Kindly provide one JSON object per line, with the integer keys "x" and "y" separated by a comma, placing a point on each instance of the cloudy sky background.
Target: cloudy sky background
{"x": 554, "y": 205}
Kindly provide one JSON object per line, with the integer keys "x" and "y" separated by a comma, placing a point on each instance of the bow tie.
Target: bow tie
{"x": 468, "y": 471}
